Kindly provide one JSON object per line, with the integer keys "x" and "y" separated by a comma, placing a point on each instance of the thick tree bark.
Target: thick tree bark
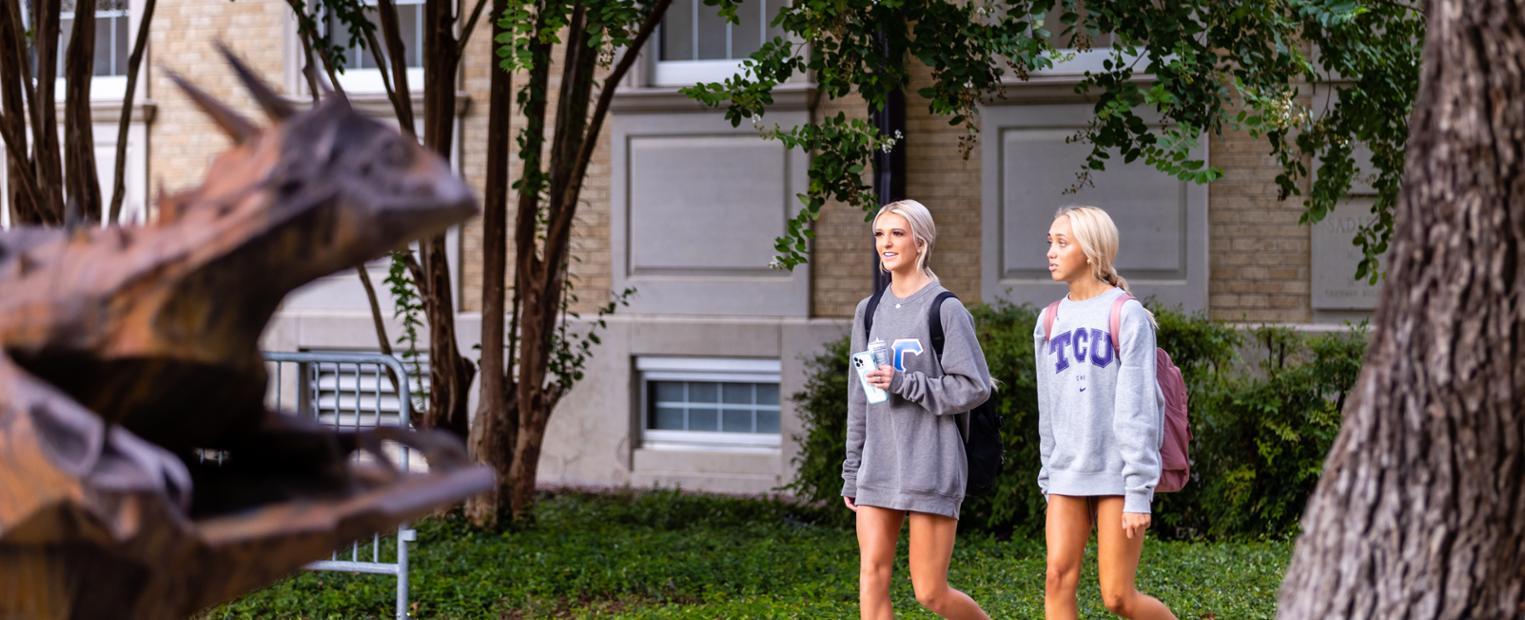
{"x": 450, "y": 374}
{"x": 22, "y": 191}
{"x": 84, "y": 185}
{"x": 45, "y": 149}
{"x": 1418, "y": 513}
{"x": 494, "y": 432}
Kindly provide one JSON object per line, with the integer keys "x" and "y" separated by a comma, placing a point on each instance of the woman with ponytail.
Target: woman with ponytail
{"x": 905, "y": 461}
{"x": 1100, "y": 420}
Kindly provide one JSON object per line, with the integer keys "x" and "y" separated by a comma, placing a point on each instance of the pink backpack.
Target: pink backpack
{"x": 1175, "y": 468}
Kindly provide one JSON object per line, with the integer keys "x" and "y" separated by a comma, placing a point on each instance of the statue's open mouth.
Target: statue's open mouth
{"x": 126, "y": 354}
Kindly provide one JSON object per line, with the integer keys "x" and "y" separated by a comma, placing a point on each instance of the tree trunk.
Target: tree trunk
{"x": 526, "y": 461}
{"x": 25, "y": 201}
{"x": 541, "y": 279}
{"x": 450, "y": 374}
{"x": 1418, "y": 512}
{"x": 45, "y": 149}
{"x": 528, "y": 400}
{"x": 494, "y": 432}
{"x": 84, "y": 185}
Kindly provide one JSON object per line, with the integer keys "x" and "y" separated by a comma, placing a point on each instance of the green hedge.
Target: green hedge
{"x": 663, "y": 554}
{"x": 1261, "y": 426}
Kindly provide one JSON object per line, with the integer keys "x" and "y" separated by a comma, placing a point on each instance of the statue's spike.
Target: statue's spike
{"x": 326, "y": 89}
{"x": 238, "y": 128}
{"x": 276, "y": 107}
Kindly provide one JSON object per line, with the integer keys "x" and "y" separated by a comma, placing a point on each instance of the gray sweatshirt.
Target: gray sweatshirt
{"x": 906, "y": 452}
{"x": 1100, "y": 418}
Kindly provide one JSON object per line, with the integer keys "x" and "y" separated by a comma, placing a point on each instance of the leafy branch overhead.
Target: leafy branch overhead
{"x": 1322, "y": 82}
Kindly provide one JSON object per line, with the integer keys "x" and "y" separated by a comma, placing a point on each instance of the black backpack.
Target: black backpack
{"x": 982, "y": 439}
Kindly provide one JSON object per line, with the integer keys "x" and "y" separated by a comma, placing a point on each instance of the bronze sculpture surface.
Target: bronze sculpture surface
{"x": 127, "y": 352}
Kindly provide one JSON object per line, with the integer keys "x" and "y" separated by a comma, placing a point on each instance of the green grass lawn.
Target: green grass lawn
{"x": 667, "y": 555}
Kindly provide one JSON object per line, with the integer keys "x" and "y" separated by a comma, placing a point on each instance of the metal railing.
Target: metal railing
{"x": 351, "y": 391}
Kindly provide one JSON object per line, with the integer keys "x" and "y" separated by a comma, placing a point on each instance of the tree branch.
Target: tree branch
{"x": 526, "y": 222}
{"x": 471, "y": 26}
{"x": 402, "y": 98}
{"x": 307, "y": 32}
{"x": 383, "y": 342}
{"x": 14, "y": 145}
{"x": 134, "y": 63}
{"x": 14, "y": 76}
{"x": 571, "y": 102}
{"x": 561, "y": 223}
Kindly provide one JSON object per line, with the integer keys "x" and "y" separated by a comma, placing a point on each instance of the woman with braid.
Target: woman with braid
{"x": 1100, "y": 420}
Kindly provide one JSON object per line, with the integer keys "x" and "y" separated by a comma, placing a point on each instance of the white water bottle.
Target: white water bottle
{"x": 880, "y": 352}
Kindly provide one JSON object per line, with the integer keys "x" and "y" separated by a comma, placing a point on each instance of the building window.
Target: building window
{"x": 360, "y": 71}
{"x": 1031, "y": 161}
{"x": 715, "y": 402}
{"x": 696, "y": 45}
{"x": 113, "y": 44}
{"x": 1077, "y": 52}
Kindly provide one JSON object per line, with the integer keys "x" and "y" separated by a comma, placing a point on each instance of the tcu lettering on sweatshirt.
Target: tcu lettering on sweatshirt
{"x": 1100, "y": 411}
{"x": 906, "y": 452}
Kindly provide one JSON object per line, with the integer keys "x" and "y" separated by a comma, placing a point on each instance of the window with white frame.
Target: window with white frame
{"x": 135, "y": 171}
{"x": 360, "y": 71}
{"x": 716, "y": 402}
{"x": 695, "y": 44}
{"x": 1077, "y": 51}
{"x": 113, "y": 44}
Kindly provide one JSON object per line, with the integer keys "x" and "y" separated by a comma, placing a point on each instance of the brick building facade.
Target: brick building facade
{"x": 691, "y": 385}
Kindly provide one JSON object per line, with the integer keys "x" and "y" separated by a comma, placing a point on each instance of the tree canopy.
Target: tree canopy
{"x": 1201, "y": 66}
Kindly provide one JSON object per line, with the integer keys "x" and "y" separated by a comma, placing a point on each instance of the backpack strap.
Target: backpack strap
{"x": 935, "y": 322}
{"x": 935, "y": 327}
{"x": 1115, "y": 320}
{"x": 1049, "y": 314}
{"x": 868, "y": 315}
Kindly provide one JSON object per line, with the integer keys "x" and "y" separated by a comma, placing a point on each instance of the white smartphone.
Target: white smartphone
{"x": 863, "y": 362}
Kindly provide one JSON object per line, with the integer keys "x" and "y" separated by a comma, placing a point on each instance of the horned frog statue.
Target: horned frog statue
{"x": 125, "y": 353}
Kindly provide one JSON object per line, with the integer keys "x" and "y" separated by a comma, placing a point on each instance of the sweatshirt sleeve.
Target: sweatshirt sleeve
{"x": 857, "y": 404}
{"x": 1045, "y": 422}
{"x": 965, "y": 382}
{"x": 1137, "y": 418}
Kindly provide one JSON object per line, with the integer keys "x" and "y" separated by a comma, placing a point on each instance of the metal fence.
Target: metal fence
{"x": 352, "y": 391}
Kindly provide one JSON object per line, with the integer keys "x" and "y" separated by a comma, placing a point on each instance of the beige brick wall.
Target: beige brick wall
{"x": 1259, "y": 254}
{"x": 590, "y": 267}
{"x": 841, "y": 260}
{"x": 182, "y": 142}
{"x": 475, "y": 74}
{"x": 939, "y": 177}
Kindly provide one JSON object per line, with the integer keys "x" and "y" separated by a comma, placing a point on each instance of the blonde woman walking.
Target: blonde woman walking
{"x": 905, "y": 456}
{"x": 1100, "y": 419}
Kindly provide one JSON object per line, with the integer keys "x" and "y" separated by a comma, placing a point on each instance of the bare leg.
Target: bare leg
{"x": 878, "y": 529}
{"x": 1066, "y": 530}
{"x": 1117, "y": 565}
{"x": 931, "y": 550}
